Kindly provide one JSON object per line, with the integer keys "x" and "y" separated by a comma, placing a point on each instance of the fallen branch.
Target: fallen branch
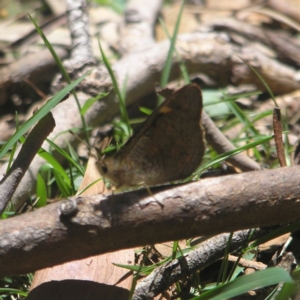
{"x": 207, "y": 253}
{"x": 85, "y": 226}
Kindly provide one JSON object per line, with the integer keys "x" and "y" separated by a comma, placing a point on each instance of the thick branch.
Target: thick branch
{"x": 82, "y": 227}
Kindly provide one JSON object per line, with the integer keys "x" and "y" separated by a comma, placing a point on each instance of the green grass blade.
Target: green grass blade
{"x": 52, "y": 51}
{"x": 174, "y": 249}
{"x": 63, "y": 71}
{"x": 40, "y": 114}
{"x": 145, "y": 110}
{"x": 274, "y": 234}
{"x": 123, "y": 109}
{"x": 13, "y": 291}
{"x": 232, "y": 98}
{"x": 168, "y": 65}
{"x": 246, "y": 283}
{"x": 238, "y": 112}
{"x": 237, "y": 270}
{"x": 75, "y": 161}
{"x": 234, "y": 122}
{"x": 262, "y": 80}
{"x": 228, "y": 154}
{"x": 14, "y": 147}
{"x": 41, "y": 191}
{"x": 45, "y": 171}
{"x": 64, "y": 187}
{"x": 55, "y": 165}
{"x": 88, "y": 186}
{"x": 134, "y": 268}
{"x": 146, "y": 270}
{"x": 286, "y": 291}
{"x": 224, "y": 265}
{"x": 77, "y": 165}
{"x": 182, "y": 66}
{"x": 262, "y": 115}
{"x": 90, "y": 102}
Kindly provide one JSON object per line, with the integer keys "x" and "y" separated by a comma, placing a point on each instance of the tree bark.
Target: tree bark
{"x": 85, "y": 226}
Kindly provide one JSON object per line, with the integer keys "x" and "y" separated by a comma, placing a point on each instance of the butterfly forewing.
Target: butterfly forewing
{"x": 167, "y": 147}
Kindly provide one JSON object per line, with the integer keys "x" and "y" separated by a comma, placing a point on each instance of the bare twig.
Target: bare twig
{"x": 256, "y": 265}
{"x": 31, "y": 146}
{"x": 221, "y": 144}
{"x": 278, "y": 136}
{"x": 207, "y": 253}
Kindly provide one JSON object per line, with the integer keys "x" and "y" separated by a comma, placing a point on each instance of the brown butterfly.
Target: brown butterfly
{"x": 168, "y": 146}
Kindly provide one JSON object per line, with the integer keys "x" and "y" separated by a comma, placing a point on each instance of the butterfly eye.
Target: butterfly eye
{"x": 104, "y": 169}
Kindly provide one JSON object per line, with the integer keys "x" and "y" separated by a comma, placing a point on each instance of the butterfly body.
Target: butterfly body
{"x": 169, "y": 146}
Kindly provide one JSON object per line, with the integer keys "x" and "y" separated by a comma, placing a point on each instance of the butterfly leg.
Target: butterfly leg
{"x": 150, "y": 193}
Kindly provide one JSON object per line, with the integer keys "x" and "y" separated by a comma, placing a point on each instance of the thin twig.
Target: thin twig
{"x": 221, "y": 144}
{"x": 207, "y": 253}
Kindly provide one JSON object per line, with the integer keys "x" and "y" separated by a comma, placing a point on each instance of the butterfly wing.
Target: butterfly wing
{"x": 167, "y": 147}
